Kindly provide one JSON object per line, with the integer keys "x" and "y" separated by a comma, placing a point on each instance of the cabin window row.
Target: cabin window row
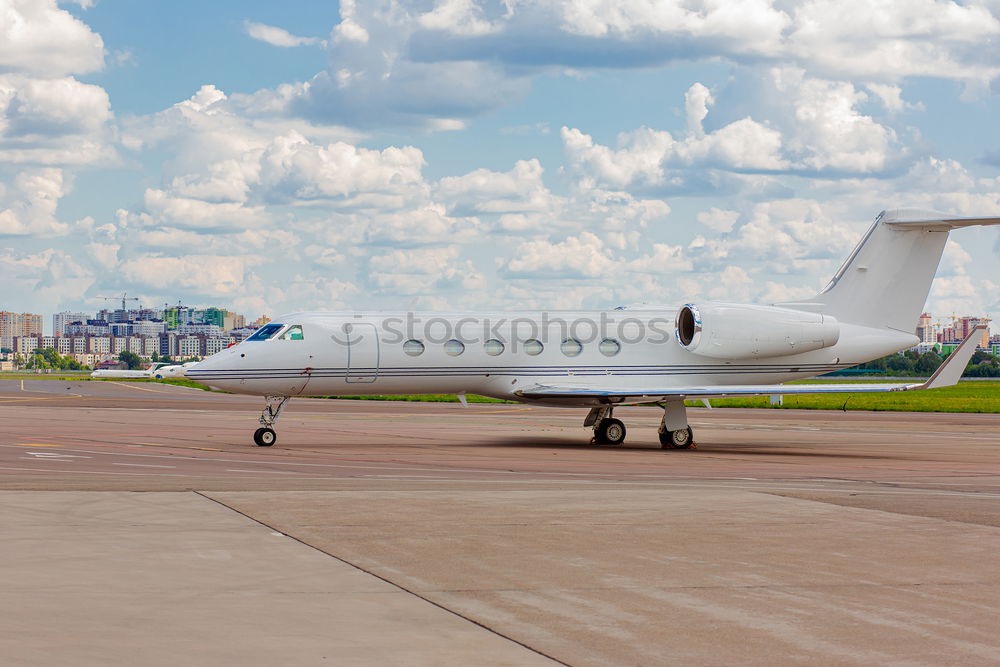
{"x": 570, "y": 347}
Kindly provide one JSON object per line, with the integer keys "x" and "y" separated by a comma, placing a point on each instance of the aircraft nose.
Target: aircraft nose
{"x": 209, "y": 371}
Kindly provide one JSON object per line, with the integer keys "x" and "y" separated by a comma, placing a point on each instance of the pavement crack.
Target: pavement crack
{"x": 381, "y": 578}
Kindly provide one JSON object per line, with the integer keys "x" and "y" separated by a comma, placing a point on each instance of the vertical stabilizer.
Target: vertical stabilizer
{"x": 885, "y": 281}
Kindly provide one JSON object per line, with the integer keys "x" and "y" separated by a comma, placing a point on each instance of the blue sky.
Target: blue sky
{"x": 270, "y": 157}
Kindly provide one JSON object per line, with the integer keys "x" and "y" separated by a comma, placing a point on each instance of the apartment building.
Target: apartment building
{"x": 60, "y": 320}
{"x": 18, "y": 324}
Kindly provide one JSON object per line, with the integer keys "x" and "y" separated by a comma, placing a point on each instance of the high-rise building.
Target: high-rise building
{"x": 148, "y": 327}
{"x": 925, "y": 329}
{"x": 963, "y": 325}
{"x": 89, "y": 328}
{"x": 204, "y": 329}
{"x": 216, "y": 316}
{"x": 10, "y": 326}
{"x": 60, "y": 320}
{"x": 177, "y": 315}
{"x": 15, "y": 324}
{"x": 234, "y": 321}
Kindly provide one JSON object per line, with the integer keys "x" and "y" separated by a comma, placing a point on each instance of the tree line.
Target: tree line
{"x": 982, "y": 364}
{"x": 50, "y": 359}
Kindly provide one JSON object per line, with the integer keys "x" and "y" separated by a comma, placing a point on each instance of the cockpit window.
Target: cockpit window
{"x": 266, "y": 331}
{"x": 294, "y": 332}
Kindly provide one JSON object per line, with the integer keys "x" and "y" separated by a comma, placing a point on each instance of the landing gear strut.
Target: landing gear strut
{"x": 607, "y": 431}
{"x": 265, "y": 435}
{"x": 675, "y": 433}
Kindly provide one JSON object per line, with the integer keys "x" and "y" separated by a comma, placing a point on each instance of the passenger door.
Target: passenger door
{"x": 362, "y": 352}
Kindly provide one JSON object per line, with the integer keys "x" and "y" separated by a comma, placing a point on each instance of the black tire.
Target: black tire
{"x": 610, "y": 432}
{"x": 679, "y": 439}
{"x": 265, "y": 437}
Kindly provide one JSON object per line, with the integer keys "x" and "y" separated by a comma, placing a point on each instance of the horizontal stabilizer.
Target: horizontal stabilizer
{"x": 910, "y": 218}
{"x": 946, "y": 375}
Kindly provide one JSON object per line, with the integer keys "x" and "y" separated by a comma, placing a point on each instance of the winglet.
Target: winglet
{"x": 951, "y": 370}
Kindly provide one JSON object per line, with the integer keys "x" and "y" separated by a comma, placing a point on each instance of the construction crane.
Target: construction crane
{"x": 124, "y": 297}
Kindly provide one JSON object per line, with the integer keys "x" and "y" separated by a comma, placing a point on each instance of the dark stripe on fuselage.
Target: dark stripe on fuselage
{"x": 264, "y": 373}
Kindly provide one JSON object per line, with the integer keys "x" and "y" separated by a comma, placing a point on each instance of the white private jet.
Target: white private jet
{"x": 173, "y": 371}
{"x": 626, "y": 356}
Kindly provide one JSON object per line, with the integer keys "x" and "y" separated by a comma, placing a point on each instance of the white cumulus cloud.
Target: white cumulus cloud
{"x": 28, "y": 207}
{"x": 276, "y": 36}
{"x": 39, "y": 38}
{"x": 54, "y": 121}
{"x": 582, "y": 256}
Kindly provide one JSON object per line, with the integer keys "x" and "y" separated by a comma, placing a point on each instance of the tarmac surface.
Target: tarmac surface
{"x": 141, "y": 526}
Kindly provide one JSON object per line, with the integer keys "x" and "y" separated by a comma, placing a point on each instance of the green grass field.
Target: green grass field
{"x": 969, "y": 396}
{"x": 973, "y": 396}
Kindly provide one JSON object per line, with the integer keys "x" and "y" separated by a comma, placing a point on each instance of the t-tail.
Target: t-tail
{"x": 885, "y": 281}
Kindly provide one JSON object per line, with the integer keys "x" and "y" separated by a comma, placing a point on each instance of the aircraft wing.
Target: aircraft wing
{"x": 946, "y": 375}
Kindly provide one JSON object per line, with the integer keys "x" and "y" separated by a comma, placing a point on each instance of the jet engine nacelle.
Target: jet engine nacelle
{"x": 738, "y": 331}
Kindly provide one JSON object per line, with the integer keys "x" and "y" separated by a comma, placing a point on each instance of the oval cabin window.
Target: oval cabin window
{"x": 453, "y": 348}
{"x": 533, "y": 347}
{"x": 609, "y": 347}
{"x": 414, "y": 348}
{"x": 493, "y": 347}
{"x": 571, "y": 347}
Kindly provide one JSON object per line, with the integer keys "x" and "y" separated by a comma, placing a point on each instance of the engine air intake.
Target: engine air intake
{"x": 688, "y": 324}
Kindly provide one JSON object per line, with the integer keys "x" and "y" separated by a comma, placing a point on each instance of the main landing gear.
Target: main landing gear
{"x": 607, "y": 431}
{"x": 674, "y": 431}
{"x": 265, "y": 435}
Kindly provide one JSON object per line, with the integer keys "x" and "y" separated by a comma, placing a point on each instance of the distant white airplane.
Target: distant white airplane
{"x": 131, "y": 373}
{"x": 626, "y": 356}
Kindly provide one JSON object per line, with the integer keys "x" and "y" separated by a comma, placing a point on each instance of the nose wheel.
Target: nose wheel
{"x": 265, "y": 435}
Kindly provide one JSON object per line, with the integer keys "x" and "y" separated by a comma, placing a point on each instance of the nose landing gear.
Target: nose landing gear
{"x": 265, "y": 435}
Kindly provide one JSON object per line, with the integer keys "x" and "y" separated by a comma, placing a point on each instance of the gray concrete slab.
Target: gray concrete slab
{"x": 598, "y": 576}
{"x": 110, "y": 578}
